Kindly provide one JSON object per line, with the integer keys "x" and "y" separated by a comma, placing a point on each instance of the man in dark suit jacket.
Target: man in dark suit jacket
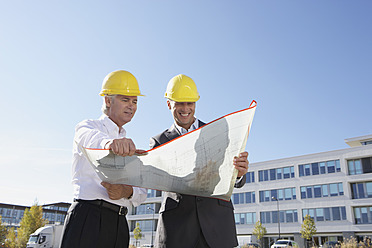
{"x": 187, "y": 221}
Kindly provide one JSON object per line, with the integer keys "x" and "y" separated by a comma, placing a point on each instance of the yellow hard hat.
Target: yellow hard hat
{"x": 120, "y": 83}
{"x": 182, "y": 88}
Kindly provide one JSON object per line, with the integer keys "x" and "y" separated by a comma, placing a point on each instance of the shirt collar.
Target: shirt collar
{"x": 193, "y": 126}
{"x": 112, "y": 128}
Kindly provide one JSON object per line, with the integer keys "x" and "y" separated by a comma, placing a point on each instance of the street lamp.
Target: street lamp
{"x": 152, "y": 226}
{"x": 277, "y": 204}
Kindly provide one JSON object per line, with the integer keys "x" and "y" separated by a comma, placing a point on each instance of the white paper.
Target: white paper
{"x": 198, "y": 163}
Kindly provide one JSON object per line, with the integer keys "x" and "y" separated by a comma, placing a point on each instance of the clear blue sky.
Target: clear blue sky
{"x": 308, "y": 64}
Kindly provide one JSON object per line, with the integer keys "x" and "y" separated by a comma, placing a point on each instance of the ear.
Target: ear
{"x": 169, "y": 104}
{"x": 108, "y": 101}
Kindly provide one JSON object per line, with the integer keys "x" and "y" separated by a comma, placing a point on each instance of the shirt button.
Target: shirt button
{"x": 199, "y": 199}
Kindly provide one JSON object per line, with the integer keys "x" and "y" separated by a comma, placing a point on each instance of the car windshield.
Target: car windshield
{"x": 33, "y": 238}
{"x": 283, "y": 242}
{"x": 331, "y": 242}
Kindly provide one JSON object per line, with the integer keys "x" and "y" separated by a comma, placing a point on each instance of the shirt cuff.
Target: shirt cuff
{"x": 139, "y": 196}
{"x": 238, "y": 180}
{"x": 104, "y": 142}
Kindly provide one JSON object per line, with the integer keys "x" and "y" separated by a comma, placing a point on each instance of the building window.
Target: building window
{"x": 325, "y": 214}
{"x": 333, "y": 189}
{"x": 360, "y": 166}
{"x": 325, "y": 167}
{"x": 361, "y": 190}
{"x": 279, "y": 173}
{"x": 303, "y": 193}
{"x": 309, "y": 192}
{"x": 145, "y": 225}
{"x": 286, "y": 172}
{"x": 153, "y": 193}
{"x": 315, "y": 168}
{"x": 319, "y": 214}
{"x": 244, "y": 198}
{"x": 249, "y": 177}
{"x": 280, "y": 194}
{"x": 285, "y": 216}
{"x": 144, "y": 209}
{"x": 324, "y": 190}
{"x": 245, "y": 218}
{"x": 276, "y": 174}
{"x": 317, "y": 191}
{"x": 322, "y": 168}
{"x": 250, "y": 197}
{"x": 363, "y": 215}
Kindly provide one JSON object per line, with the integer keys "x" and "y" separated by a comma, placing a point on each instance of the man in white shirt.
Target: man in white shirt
{"x": 187, "y": 221}
{"x": 97, "y": 216}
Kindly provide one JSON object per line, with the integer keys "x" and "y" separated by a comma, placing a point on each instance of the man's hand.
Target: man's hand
{"x": 118, "y": 191}
{"x": 241, "y": 163}
{"x": 122, "y": 147}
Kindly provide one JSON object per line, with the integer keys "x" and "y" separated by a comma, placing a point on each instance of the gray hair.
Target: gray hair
{"x": 104, "y": 107}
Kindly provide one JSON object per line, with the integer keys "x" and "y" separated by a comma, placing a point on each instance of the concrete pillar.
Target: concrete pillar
{"x": 300, "y": 241}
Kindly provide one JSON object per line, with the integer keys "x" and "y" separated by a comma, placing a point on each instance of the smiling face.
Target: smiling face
{"x": 183, "y": 113}
{"x": 121, "y": 109}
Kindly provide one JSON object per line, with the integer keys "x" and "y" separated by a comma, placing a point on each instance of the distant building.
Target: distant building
{"x": 12, "y": 214}
{"x": 333, "y": 187}
{"x": 146, "y": 215}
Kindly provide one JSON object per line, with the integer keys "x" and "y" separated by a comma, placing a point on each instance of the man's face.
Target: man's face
{"x": 183, "y": 113}
{"x": 121, "y": 108}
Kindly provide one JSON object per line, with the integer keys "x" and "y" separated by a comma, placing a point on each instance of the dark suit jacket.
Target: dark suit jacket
{"x": 183, "y": 217}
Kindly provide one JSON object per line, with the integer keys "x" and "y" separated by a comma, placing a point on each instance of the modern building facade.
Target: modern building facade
{"x": 333, "y": 187}
{"x": 11, "y": 215}
{"x": 146, "y": 215}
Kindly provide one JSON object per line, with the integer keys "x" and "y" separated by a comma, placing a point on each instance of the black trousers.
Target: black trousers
{"x": 92, "y": 226}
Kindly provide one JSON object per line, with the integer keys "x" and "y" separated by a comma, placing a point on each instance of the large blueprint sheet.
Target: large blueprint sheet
{"x": 197, "y": 163}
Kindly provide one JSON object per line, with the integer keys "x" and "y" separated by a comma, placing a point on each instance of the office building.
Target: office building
{"x": 333, "y": 187}
{"x": 11, "y": 215}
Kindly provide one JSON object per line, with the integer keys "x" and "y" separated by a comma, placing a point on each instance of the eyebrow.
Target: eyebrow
{"x": 126, "y": 97}
{"x": 130, "y": 99}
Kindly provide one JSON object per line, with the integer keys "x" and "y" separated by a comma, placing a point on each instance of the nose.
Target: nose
{"x": 131, "y": 105}
{"x": 184, "y": 106}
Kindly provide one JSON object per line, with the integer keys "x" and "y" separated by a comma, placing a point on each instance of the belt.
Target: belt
{"x": 120, "y": 210}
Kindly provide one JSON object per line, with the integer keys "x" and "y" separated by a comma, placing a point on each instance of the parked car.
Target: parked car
{"x": 330, "y": 244}
{"x": 284, "y": 243}
{"x": 253, "y": 245}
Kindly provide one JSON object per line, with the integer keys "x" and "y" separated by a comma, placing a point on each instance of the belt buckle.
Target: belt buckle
{"x": 123, "y": 210}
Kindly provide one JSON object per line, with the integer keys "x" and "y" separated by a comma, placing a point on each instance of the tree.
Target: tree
{"x": 137, "y": 233}
{"x": 11, "y": 239}
{"x": 308, "y": 228}
{"x": 32, "y": 219}
{"x": 2, "y": 232}
{"x": 259, "y": 231}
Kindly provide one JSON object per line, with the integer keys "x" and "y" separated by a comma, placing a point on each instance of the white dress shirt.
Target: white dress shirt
{"x": 86, "y": 182}
{"x": 193, "y": 126}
